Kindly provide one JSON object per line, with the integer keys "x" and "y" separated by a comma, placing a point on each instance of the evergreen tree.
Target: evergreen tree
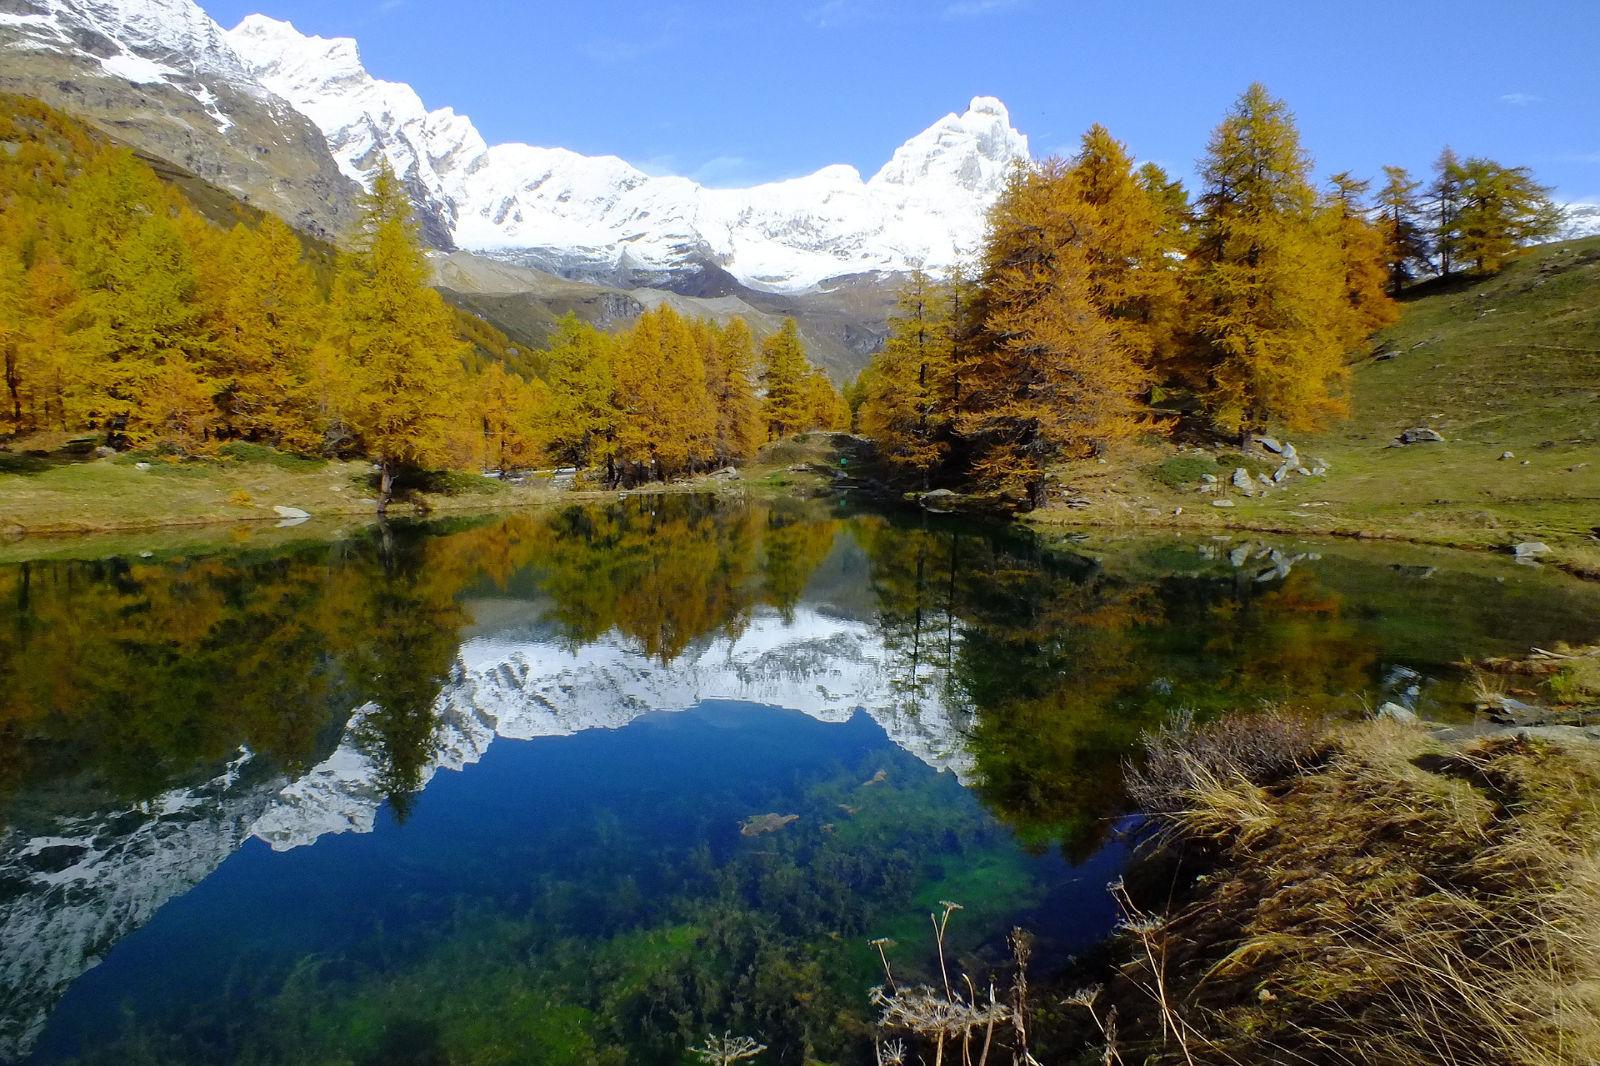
{"x": 1501, "y": 211}
{"x": 1047, "y": 376}
{"x": 1362, "y": 257}
{"x": 582, "y": 416}
{"x": 1404, "y": 232}
{"x": 1267, "y": 289}
{"x": 784, "y": 375}
{"x": 396, "y": 339}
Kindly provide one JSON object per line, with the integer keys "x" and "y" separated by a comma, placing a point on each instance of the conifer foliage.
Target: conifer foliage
{"x": 125, "y": 313}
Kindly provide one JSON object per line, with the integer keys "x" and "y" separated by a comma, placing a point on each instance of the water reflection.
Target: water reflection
{"x": 156, "y": 716}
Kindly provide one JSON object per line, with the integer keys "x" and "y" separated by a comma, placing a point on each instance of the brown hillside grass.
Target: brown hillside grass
{"x": 1365, "y": 894}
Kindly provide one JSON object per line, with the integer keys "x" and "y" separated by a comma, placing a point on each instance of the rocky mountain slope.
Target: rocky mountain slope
{"x": 161, "y": 76}
{"x": 601, "y": 219}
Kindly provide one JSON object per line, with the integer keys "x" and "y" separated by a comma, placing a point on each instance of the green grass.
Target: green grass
{"x": 1507, "y": 363}
{"x": 144, "y": 492}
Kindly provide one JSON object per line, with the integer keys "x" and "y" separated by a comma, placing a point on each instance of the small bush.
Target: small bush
{"x": 240, "y": 498}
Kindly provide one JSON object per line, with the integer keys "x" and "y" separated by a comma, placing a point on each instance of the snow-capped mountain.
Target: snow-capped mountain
{"x": 162, "y": 76}
{"x": 601, "y": 218}
{"x": 1579, "y": 220}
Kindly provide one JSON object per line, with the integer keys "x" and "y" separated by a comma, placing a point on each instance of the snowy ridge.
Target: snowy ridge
{"x": 1579, "y": 220}
{"x": 822, "y": 666}
{"x": 73, "y": 893}
{"x": 597, "y": 215}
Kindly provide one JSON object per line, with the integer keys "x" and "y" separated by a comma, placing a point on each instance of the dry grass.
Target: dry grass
{"x": 1389, "y": 900}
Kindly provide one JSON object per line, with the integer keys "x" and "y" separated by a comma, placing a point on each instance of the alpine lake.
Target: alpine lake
{"x": 586, "y": 785}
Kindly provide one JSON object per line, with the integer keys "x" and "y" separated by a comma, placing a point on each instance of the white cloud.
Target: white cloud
{"x": 1520, "y": 99}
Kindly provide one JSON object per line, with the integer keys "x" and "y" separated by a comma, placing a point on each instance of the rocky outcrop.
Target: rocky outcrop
{"x": 160, "y": 76}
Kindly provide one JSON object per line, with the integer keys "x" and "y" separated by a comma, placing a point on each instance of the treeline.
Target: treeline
{"x": 1105, "y": 294}
{"x": 125, "y": 313}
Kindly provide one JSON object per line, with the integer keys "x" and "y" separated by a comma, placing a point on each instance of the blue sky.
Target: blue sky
{"x": 736, "y": 91}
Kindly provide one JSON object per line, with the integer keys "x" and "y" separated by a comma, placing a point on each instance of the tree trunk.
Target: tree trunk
{"x": 385, "y": 486}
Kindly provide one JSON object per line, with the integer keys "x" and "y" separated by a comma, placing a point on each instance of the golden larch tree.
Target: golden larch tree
{"x": 396, "y": 338}
{"x": 1047, "y": 376}
{"x": 1268, "y": 292}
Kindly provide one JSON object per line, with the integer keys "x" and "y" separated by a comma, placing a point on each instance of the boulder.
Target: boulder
{"x": 1282, "y": 472}
{"x": 1244, "y": 482}
{"x": 1397, "y": 713}
{"x": 103, "y": 452}
{"x": 1420, "y": 435}
{"x": 290, "y": 512}
{"x": 1507, "y": 455}
{"x": 141, "y": 466}
{"x": 1222, "y": 503}
{"x": 1271, "y": 444}
{"x": 1209, "y": 479}
{"x": 1530, "y": 549}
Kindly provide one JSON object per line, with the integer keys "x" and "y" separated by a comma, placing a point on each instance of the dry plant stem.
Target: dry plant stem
{"x": 1141, "y": 926}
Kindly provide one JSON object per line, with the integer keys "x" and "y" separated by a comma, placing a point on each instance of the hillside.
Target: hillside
{"x": 1509, "y": 363}
{"x": 842, "y": 323}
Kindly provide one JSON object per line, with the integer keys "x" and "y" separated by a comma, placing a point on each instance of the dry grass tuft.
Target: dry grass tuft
{"x": 1387, "y": 899}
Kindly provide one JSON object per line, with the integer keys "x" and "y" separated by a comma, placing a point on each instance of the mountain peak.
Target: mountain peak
{"x": 971, "y": 152}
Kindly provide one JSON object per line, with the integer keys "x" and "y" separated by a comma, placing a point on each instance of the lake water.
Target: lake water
{"x": 495, "y": 791}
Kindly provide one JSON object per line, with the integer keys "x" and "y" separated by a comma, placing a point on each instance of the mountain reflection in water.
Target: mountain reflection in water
{"x": 156, "y": 717}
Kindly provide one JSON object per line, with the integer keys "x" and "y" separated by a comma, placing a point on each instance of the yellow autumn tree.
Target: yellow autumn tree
{"x": 1134, "y": 258}
{"x": 271, "y": 318}
{"x": 514, "y": 415}
{"x": 730, "y": 370}
{"x": 907, "y": 392}
{"x": 825, "y": 408}
{"x": 1046, "y": 376}
{"x": 665, "y": 419}
{"x": 582, "y": 418}
{"x": 395, "y": 340}
{"x": 13, "y": 306}
{"x": 1268, "y": 294}
{"x": 1361, "y": 252}
{"x": 783, "y": 375}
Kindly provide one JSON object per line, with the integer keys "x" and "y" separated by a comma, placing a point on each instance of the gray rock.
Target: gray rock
{"x": 1529, "y": 549}
{"x": 1222, "y": 503}
{"x": 1244, "y": 482}
{"x": 141, "y": 466}
{"x": 1282, "y": 472}
{"x": 1397, "y": 713}
{"x": 104, "y": 452}
{"x": 1266, "y": 481}
{"x": 290, "y": 512}
{"x": 1209, "y": 479}
{"x": 1420, "y": 435}
{"x": 1271, "y": 444}
{"x": 1506, "y": 455}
